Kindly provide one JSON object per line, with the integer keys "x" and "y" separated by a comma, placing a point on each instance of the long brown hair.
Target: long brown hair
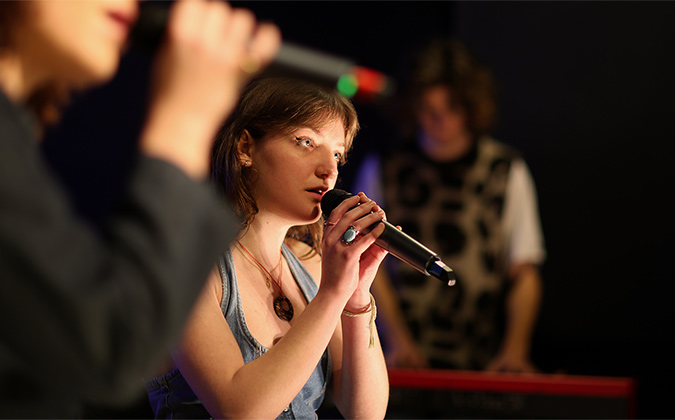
{"x": 275, "y": 106}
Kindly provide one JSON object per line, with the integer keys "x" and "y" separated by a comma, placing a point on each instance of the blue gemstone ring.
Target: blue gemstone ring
{"x": 350, "y": 235}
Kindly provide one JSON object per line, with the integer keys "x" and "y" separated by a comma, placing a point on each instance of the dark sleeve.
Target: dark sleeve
{"x": 90, "y": 315}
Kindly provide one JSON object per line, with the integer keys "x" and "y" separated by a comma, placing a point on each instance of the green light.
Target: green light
{"x": 347, "y": 85}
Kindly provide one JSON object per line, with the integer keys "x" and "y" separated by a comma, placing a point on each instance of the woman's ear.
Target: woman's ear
{"x": 245, "y": 149}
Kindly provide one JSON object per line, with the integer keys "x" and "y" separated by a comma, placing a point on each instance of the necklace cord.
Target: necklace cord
{"x": 283, "y": 307}
{"x": 262, "y": 267}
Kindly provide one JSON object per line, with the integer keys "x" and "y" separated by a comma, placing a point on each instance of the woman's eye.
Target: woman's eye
{"x": 304, "y": 141}
{"x": 338, "y": 157}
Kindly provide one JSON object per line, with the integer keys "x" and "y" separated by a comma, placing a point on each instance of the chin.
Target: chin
{"x": 103, "y": 75}
{"x": 93, "y": 73}
{"x": 314, "y": 217}
{"x": 316, "y": 214}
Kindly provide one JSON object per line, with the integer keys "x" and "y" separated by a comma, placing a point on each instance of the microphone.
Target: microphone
{"x": 292, "y": 60}
{"x": 398, "y": 243}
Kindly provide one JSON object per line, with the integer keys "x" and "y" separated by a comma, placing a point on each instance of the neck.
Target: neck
{"x": 444, "y": 151}
{"x": 264, "y": 238}
{"x": 15, "y": 79}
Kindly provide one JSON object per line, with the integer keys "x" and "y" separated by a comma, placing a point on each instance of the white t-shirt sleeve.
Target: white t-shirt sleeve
{"x": 522, "y": 226}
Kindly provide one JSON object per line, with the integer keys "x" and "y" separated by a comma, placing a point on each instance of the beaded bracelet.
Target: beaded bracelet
{"x": 372, "y": 309}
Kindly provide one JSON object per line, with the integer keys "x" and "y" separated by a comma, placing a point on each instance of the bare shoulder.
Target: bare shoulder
{"x": 214, "y": 285}
{"x": 312, "y": 263}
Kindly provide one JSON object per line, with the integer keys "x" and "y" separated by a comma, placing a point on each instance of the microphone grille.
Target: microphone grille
{"x": 332, "y": 199}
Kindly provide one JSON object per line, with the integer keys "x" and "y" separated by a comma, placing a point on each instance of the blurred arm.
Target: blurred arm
{"x": 522, "y": 309}
{"x": 402, "y": 350}
{"x": 526, "y": 253}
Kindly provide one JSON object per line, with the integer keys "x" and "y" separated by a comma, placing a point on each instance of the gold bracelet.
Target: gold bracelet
{"x": 371, "y": 324}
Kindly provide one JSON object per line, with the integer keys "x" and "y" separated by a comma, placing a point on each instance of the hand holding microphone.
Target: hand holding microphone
{"x": 398, "y": 243}
{"x": 291, "y": 60}
{"x": 349, "y": 262}
{"x": 199, "y": 71}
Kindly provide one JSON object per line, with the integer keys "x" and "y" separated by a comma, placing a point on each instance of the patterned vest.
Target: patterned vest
{"x": 455, "y": 209}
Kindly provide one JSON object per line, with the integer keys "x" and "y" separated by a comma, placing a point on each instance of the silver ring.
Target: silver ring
{"x": 350, "y": 235}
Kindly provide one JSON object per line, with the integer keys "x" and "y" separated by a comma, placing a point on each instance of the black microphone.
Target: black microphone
{"x": 292, "y": 60}
{"x": 398, "y": 243}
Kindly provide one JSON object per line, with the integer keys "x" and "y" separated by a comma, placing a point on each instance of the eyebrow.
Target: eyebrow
{"x": 318, "y": 133}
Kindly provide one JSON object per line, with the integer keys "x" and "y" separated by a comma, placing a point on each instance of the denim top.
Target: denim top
{"x": 172, "y": 398}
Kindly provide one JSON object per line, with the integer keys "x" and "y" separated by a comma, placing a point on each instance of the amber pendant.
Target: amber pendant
{"x": 283, "y": 308}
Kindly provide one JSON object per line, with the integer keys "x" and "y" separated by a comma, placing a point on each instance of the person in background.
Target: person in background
{"x": 287, "y": 314}
{"x": 471, "y": 199}
{"x": 84, "y": 315}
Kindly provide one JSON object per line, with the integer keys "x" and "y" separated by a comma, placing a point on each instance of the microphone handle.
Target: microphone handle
{"x": 405, "y": 248}
{"x": 296, "y": 61}
{"x": 398, "y": 243}
{"x": 291, "y": 60}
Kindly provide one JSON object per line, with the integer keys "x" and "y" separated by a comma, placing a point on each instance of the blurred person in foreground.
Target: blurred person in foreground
{"x": 471, "y": 199}
{"x": 84, "y": 316}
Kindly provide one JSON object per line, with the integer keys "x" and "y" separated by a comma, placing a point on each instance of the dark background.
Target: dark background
{"x": 587, "y": 96}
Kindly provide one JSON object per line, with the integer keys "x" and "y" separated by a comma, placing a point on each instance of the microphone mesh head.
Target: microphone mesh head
{"x": 332, "y": 199}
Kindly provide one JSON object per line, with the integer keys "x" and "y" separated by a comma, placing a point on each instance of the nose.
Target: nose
{"x": 327, "y": 167}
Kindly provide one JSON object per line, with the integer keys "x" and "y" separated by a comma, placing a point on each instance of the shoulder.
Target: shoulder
{"x": 214, "y": 286}
{"x": 498, "y": 149}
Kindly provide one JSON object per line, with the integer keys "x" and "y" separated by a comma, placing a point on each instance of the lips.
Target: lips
{"x": 320, "y": 191}
{"x": 123, "y": 19}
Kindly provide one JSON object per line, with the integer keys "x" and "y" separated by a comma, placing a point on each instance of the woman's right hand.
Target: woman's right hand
{"x": 347, "y": 269}
{"x": 211, "y": 50}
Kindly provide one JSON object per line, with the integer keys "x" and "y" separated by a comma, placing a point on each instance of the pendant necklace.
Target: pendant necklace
{"x": 282, "y": 306}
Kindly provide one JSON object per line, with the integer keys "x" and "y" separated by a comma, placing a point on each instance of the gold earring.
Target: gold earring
{"x": 247, "y": 163}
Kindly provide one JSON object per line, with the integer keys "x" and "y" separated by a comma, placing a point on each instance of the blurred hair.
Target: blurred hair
{"x": 447, "y": 63}
{"x": 275, "y": 106}
{"x": 46, "y": 101}
{"x": 11, "y": 12}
